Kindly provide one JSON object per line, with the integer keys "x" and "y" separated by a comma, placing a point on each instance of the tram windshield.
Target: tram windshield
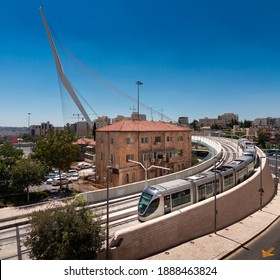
{"x": 144, "y": 202}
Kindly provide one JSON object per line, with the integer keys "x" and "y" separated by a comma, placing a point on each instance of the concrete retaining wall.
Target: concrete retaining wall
{"x": 129, "y": 189}
{"x": 194, "y": 221}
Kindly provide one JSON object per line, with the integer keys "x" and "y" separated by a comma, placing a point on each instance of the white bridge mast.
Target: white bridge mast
{"x": 61, "y": 73}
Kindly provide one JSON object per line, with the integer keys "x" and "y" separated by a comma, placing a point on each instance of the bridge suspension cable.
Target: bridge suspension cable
{"x": 73, "y": 92}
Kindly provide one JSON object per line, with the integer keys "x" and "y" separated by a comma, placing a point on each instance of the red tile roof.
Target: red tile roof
{"x": 130, "y": 125}
{"x": 85, "y": 141}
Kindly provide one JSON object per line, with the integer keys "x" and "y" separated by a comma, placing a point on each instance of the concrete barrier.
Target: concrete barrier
{"x": 137, "y": 187}
{"x": 194, "y": 221}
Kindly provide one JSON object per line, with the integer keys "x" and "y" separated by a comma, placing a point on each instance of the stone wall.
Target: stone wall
{"x": 194, "y": 221}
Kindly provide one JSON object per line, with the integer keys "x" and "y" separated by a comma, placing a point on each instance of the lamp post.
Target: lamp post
{"x": 261, "y": 191}
{"x": 215, "y": 198}
{"x": 29, "y": 119}
{"x": 276, "y": 172}
{"x": 146, "y": 169}
{"x": 138, "y": 83}
{"x": 107, "y": 214}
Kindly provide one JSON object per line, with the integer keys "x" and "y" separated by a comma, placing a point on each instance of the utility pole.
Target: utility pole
{"x": 29, "y": 119}
{"x": 138, "y": 83}
{"x": 78, "y": 115}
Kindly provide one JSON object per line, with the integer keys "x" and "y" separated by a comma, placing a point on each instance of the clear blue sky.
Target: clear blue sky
{"x": 196, "y": 58}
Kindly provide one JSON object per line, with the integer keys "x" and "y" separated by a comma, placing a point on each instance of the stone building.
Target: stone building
{"x": 150, "y": 143}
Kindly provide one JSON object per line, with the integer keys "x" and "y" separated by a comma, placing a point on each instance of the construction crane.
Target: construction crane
{"x": 61, "y": 73}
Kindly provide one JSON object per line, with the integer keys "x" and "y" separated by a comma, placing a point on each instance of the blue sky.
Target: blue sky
{"x": 196, "y": 58}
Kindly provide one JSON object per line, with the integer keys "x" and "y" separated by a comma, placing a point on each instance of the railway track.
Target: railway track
{"x": 123, "y": 213}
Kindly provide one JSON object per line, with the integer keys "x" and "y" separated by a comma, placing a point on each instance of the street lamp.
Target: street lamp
{"x": 215, "y": 197}
{"x": 261, "y": 191}
{"x": 107, "y": 214}
{"x": 29, "y": 119}
{"x": 146, "y": 169}
{"x": 138, "y": 83}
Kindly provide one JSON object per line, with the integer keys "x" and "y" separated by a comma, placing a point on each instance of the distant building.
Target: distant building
{"x": 87, "y": 150}
{"x": 140, "y": 117}
{"x": 208, "y": 122}
{"x": 224, "y": 119}
{"x": 42, "y": 129}
{"x": 227, "y": 118}
{"x": 151, "y": 143}
{"x": 7, "y": 131}
{"x": 81, "y": 129}
{"x": 183, "y": 121}
{"x": 267, "y": 122}
{"x": 102, "y": 121}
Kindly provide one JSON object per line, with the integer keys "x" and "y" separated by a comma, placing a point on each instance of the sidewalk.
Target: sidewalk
{"x": 218, "y": 246}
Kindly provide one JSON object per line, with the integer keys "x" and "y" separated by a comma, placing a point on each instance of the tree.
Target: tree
{"x": 8, "y": 157}
{"x": 195, "y": 125}
{"x": 27, "y": 172}
{"x": 57, "y": 149}
{"x": 262, "y": 137}
{"x": 65, "y": 234}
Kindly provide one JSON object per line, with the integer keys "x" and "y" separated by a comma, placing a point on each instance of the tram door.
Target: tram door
{"x": 167, "y": 204}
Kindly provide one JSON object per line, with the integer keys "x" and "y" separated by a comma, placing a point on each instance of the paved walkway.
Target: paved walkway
{"x": 226, "y": 241}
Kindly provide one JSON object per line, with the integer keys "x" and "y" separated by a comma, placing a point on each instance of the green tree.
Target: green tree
{"x": 65, "y": 234}
{"x": 262, "y": 138}
{"x": 57, "y": 149}
{"x": 26, "y": 173}
{"x": 195, "y": 125}
{"x": 8, "y": 157}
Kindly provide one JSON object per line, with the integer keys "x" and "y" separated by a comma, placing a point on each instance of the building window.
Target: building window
{"x": 112, "y": 158}
{"x": 146, "y": 157}
{"x": 144, "y": 140}
{"x": 180, "y": 153}
{"x": 168, "y": 139}
{"x": 180, "y": 138}
{"x": 101, "y": 156}
{"x": 112, "y": 141}
{"x": 157, "y": 139}
{"x": 129, "y": 141}
{"x": 129, "y": 157}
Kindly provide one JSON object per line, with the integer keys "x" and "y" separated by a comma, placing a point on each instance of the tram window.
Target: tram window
{"x": 229, "y": 180}
{"x": 209, "y": 188}
{"x": 201, "y": 192}
{"x": 181, "y": 198}
{"x": 152, "y": 207}
{"x": 144, "y": 202}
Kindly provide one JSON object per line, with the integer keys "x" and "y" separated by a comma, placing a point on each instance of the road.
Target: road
{"x": 265, "y": 247}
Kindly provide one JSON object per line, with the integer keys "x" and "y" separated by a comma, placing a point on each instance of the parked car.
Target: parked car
{"x": 75, "y": 177}
{"x": 70, "y": 172}
{"x": 51, "y": 175}
{"x": 56, "y": 181}
{"x": 83, "y": 165}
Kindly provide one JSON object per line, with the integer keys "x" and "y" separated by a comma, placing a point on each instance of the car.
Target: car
{"x": 70, "y": 172}
{"x": 56, "y": 181}
{"x": 51, "y": 175}
{"x": 83, "y": 165}
{"x": 75, "y": 177}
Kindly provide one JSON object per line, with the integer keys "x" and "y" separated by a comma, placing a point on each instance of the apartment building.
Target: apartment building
{"x": 150, "y": 143}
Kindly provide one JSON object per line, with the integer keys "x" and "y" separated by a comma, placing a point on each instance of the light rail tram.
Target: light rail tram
{"x": 161, "y": 199}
